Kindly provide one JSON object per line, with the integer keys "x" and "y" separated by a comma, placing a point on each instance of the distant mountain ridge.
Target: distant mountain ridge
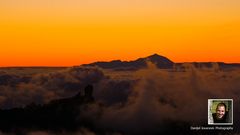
{"x": 160, "y": 61}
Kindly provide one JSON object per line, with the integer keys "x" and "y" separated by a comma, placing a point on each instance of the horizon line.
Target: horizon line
{"x": 65, "y": 66}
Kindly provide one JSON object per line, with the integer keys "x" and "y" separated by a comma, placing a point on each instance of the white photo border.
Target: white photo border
{"x": 209, "y": 107}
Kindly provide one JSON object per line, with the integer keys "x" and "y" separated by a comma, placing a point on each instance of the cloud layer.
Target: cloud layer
{"x": 149, "y": 101}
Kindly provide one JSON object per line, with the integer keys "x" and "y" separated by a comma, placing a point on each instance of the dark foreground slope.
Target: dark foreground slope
{"x": 62, "y": 114}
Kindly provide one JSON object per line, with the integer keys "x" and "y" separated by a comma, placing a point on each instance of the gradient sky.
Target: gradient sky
{"x": 73, "y": 32}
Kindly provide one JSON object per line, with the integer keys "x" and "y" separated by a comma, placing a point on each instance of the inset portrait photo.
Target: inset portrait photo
{"x": 220, "y": 111}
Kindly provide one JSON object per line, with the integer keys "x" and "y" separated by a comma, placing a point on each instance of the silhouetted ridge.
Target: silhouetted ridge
{"x": 160, "y": 61}
{"x": 61, "y": 114}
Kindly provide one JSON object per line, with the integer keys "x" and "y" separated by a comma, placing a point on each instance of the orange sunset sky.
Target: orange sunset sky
{"x": 74, "y": 32}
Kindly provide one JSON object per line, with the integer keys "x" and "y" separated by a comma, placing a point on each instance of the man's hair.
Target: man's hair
{"x": 222, "y": 104}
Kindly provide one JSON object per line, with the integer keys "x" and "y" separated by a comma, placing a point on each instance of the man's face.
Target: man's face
{"x": 220, "y": 112}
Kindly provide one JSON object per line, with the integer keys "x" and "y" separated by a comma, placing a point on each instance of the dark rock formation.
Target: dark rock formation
{"x": 61, "y": 114}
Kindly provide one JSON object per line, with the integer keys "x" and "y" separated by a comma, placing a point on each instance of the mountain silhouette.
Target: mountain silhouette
{"x": 160, "y": 61}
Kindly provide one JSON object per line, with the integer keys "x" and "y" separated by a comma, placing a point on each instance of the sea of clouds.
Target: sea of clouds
{"x": 150, "y": 101}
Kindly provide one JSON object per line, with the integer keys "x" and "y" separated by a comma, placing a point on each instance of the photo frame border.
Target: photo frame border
{"x": 212, "y": 99}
